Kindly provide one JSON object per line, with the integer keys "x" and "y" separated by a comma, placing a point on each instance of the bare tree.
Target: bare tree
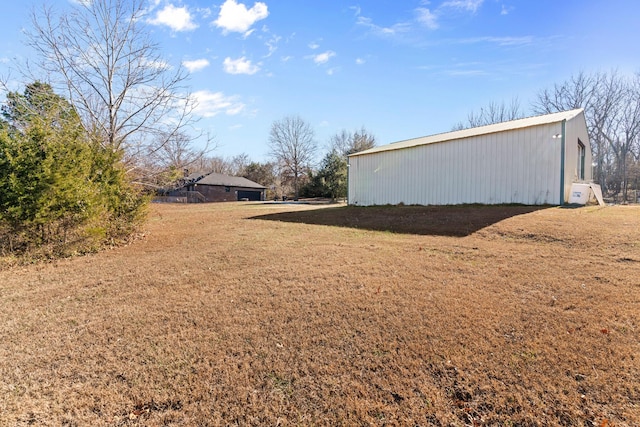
{"x": 225, "y": 165}
{"x": 239, "y": 164}
{"x": 340, "y": 142}
{"x": 292, "y": 145}
{"x": 577, "y": 92}
{"x": 167, "y": 164}
{"x": 580, "y": 91}
{"x": 612, "y": 110}
{"x": 129, "y": 98}
{"x": 493, "y": 113}
{"x": 622, "y": 129}
{"x": 345, "y": 143}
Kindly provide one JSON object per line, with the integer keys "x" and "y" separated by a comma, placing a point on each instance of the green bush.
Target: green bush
{"x": 61, "y": 192}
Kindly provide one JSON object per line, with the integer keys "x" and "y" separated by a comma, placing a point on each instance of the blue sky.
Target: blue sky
{"x": 400, "y": 68}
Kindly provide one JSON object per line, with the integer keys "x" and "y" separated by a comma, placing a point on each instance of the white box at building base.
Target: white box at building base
{"x": 581, "y": 193}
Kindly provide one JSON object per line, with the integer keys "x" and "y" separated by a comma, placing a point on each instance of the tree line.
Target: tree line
{"x": 292, "y": 170}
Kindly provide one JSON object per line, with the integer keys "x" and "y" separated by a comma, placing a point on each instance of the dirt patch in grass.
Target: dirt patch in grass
{"x": 224, "y": 316}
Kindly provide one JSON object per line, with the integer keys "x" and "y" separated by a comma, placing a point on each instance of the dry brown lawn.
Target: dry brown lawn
{"x": 281, "y": 314}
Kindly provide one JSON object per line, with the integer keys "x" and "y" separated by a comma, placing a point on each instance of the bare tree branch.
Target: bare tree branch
{"x": 127, "y": 95}
{"x": 292, "y": 145}
{"x": 492, "y": 113}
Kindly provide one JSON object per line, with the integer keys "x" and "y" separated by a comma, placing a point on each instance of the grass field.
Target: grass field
{"x": 282, "y": 314}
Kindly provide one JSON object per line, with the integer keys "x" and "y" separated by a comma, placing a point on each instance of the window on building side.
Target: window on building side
{"x": 581, "y": 156}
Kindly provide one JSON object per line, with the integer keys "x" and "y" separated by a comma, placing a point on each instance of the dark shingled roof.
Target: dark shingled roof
{"x": 228, "y": 181}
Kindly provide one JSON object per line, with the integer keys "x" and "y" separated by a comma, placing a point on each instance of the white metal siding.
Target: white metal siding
{"x": 512, "y": 166}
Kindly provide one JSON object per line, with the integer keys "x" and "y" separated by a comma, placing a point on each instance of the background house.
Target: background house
{"x": 531, "y": 161}
{"x": 216, "y": 187}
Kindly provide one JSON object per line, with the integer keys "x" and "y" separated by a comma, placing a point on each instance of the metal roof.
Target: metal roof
{"x": 482, "y": 130}
{"x": 228, "y": 181}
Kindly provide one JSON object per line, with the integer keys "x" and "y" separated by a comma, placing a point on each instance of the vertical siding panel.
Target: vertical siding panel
{"x": 426, "y": 171}
{"x": 435, "y": 160}
{"x": 531, "y": 139}
{"x": 552, "y": 163}
{"x": 480, "y": 163}
{"x": 528, "y": 141}
{"x": 465, "y": 169}
{"x": 514, "y": 196}
{"x": 544, "y": 139}
{"x": 491, "y": 170}
{"x": 453, "y": 158}
{"x": 472, "y": 161}
{"x": 497, "y": 178}
{"x": 433, "y": 175}
{"x": 418, "y": 177}
{"x": 511, "y": 171}
{"x": 526, "y": 145}
{"x": 435, "y": 164}
{"x": 442, "y": 176}
{"x": 487, "y": 186}
{"x": 495, "y": 170}
{"x": 442, "y": 155}
{"x": 500, "y": 167}
{"x": 468, "y": 155}
{"x": 413, "y": 180}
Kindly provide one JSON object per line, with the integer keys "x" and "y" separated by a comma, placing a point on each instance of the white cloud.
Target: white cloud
{"x": 360, "y": 61}
{"x": 500, "y": 41}
{"x": 205, "y": 12}
{"x": 468, "y": 5}
{"x": 240, "y": 66}
{"x": 210, "y": 104}
{"x": 402, "y": 27}
{"x": 196, "y": 65}
{"x": 313, "y": 45}
{"x": 427, "y": 18}
{"x": 323, "y": 58}
{"x": 272, "y": 44}
{"x": 235, "y": 17}
{"x": 176, "y": 18}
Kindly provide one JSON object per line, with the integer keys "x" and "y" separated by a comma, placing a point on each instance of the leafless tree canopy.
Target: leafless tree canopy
{"x": 128, "y": 96}
{"x": 345, "y": 143}
{"x": 292, "y": 144}
{"x": 612, "y": 110}
{"x": 234, "y": 166}
{"x": 493, "y": 113}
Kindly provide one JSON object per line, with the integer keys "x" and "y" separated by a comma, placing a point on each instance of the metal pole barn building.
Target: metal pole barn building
{"x": 530, "y": 161}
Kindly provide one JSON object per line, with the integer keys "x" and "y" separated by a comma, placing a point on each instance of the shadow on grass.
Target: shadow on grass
{"x": 456, "y": 221}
